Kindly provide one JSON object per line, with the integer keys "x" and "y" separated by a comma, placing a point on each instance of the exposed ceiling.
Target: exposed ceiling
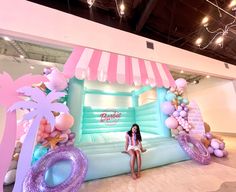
{"x": 28, "y": 50}
{"x": 17, "y": 49}
{"x": 174, "y": 22}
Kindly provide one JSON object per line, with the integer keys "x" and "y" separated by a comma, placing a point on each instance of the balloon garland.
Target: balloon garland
{"x": 215, "y": 145}
{"x": 176, "y": 107}
{"x": 50, "y": 139}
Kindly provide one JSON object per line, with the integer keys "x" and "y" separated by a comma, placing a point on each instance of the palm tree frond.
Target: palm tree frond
{"x": 35, "y": 93}
{"x": 52, "y": 96}
{"x": 59, "y": 107}
{"x": 23, "y": 104}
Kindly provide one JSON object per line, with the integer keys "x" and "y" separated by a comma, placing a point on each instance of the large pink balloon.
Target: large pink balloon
{"x": 171, "y": 123}
{"x": 57, "y": 80}
{"x": 181, "y": 83}
{"x": 167, "y": 108}
{"x": 64, "y": 122}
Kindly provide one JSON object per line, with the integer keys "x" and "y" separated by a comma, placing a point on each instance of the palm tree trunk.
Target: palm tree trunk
{"x": 7, "y": 145}
{"x": 25, "y": 159}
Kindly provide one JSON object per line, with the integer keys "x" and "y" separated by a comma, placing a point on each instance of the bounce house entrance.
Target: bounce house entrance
{"x": 108, "y": 115}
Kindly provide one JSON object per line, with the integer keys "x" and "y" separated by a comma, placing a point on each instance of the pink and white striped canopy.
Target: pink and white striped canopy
{"x": 93, "y": 64}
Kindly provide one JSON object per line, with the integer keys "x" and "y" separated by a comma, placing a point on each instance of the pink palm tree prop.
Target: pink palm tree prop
{"x": 9, "y": 95}
{"x": 40, "y": 106}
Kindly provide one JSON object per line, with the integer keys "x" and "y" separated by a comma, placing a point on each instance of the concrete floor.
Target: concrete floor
{"x": 187, "y": 176}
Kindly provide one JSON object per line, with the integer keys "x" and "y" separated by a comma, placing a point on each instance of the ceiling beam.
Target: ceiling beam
{"x": 136, "y": 3}
{"x": 145, "y": 15}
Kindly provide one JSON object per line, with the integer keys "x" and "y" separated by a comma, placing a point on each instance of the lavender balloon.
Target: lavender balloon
{"x": 198, "y": 152}
{"x": 176, "y": 114}
{"x": 183, "y": 113}
{"x": 215, "y": 144}
{"x": 167, "y": 108}
{"x": 179, "y": 108}
{"x": 225, "y": 153}
{"x": 210, "y": 150}
{"x": 35, "y": 182}
{"x": 222, "y": 145}
{"x": 218, "y": 153}
{"x": 209, "y": 135}
{"x": 186, "y": 109}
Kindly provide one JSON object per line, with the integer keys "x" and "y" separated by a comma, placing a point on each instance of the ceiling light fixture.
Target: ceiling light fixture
{"x": 6, "y": 38}
{"x": 219, "y": 34}
{"x": 195, "y": 81}
{"x": 181, "y": 71}
{"x": 22, "y": 56}
{"x": 119, "y": 6}
{"x": 232, "y": 3}
{"x": 90, "y": 3}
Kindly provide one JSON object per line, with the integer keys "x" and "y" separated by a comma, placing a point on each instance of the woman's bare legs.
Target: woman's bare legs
{"x": 139, "y": 162}
{"x": 132, "y": 162}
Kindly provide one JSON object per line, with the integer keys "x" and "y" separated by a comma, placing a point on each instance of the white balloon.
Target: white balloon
{"x": 10, "y": 177}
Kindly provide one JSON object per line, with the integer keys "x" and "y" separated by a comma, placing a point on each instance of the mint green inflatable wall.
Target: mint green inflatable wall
{"x": 148, "y": 118}
{"x": 163, "y": 131}
{"x": 75, "y": 103}
{"x": 92, "y": 121}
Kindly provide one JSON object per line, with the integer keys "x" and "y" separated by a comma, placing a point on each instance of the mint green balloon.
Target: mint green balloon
{"x": 185, "y": 101}
{"x": 170, "y": 96}
{"x": 180, "y": 98}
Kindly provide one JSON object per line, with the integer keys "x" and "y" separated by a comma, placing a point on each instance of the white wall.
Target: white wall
{"x": 107, "y": 101}
{"x": 39, "y": 23}
{"x": 217, "y": 101}
{"x": 17, "y": 67}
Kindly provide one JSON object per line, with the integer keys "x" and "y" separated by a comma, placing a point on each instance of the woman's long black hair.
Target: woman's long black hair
{"x": 138, "y": 134}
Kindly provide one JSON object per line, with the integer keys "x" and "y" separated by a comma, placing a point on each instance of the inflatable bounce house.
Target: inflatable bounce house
{"x": 100, "y": 132}
{"x": 76, "y": 120}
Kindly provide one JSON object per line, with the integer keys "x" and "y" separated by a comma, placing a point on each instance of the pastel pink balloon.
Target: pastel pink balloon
{"x": 171, "y": 123}
{"x": 57, "y": 80}
{"x": 65, "y": 138}
{"x": 172, "y": 89}
{"x": 64, "y": 122}
{"x": 55, "y": 133}
{"x": 38, "y": 138}
{"x": 181, "y": 83}
{"x": 45, "y": 135}
{"x": 43, "y": 121}
{"x": 41, "y": 128}
{"x": 68, "y": 131}
{"x": 47, "y": 128}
